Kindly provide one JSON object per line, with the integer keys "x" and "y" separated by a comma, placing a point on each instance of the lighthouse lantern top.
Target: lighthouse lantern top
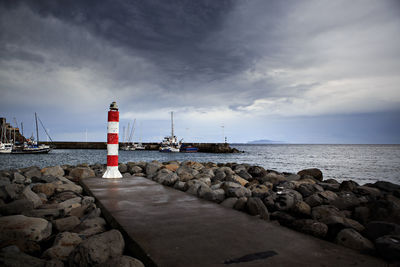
{"x": 113, "y": 106}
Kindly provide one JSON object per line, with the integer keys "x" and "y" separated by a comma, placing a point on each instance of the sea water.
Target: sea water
{"x": 361, "y": 163}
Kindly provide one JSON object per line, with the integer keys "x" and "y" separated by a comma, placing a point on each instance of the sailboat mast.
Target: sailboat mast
{"x": 37, "y": 130}
{"x": 172, "y": 124}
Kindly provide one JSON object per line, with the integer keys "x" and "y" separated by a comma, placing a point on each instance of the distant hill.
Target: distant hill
{"x": 265, "y": 141}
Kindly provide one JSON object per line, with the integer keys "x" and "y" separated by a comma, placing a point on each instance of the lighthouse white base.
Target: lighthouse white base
{"x": 112, "y": 172}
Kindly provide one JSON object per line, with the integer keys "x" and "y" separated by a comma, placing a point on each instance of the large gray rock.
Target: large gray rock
{"x": 166, "y": 177}
{"x": 98, "y": 249}
{"x": 307, "y": 190}
{"x": 33, "y": 173}
{"x": 47, "y": 188}
{"x": 255, "y": 206}
{"x": 63, "y": 245}
{"x": 301, "y": 209}
{"x": 286, "y": 199}
{"x": 82, "y": 172}
{"x": 311, "y": 227}
{"x": 388, "y": 247}
{"x": 229, "y": 202}
{"x": 19, "y": 259}
{"x": 69, "y": 204}
{"x": 260, "y": 191}
{"x": 283, "y": 218}
{"x": 96, "y": 224}
{"x": 354, "y": 240}
{"x": 67, "y": 223}
{"x": 69, "y": 187}
{"x": 345, "y": 200}
{"x": 16, "y": 207}
{"x": 233, "y": 189}
{"x": 27, "y": 193}
{"x": 217, "y": 195}
{"x": 22, "y": 227}
{"x": 53, "y": 171}
{"x": 13, "y": 191}
{"x": 122, "y": 261}
{"x": 313, "y": 172}
{"x": 18, "y": 178}
{"x": 152, "y": 168}
{"x": 48, "y": 214}
{"x": 314, "y": 200}
{"x": 377, "y": 229}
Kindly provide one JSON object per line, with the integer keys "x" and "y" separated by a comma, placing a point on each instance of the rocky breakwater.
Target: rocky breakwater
{"x": 47, "y": 221}
{"x": 365, "y": 218}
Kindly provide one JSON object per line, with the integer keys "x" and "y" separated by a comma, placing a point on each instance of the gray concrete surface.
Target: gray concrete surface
{"x": 166, "y": 227}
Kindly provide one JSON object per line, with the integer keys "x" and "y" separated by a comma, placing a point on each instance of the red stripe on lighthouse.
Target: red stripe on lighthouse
{"x": 113, "y": 116}
{"x": 112, "y": 138}
{"x": 112, "y": 161}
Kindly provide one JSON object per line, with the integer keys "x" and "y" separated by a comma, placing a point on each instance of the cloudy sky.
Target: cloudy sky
{"x": 293, "y": 71}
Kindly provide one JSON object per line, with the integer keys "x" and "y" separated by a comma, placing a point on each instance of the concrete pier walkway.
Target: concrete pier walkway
{"x": 166, "y": 227}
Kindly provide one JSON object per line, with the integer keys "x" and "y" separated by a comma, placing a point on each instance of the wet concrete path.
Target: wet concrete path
{"x": 167, "y": 227}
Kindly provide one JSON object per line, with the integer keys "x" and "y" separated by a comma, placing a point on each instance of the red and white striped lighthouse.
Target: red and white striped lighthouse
{"x": 112, "y": 143}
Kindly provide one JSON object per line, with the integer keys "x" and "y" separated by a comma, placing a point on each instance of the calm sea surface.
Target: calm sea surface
{"x": 362, "y": 163}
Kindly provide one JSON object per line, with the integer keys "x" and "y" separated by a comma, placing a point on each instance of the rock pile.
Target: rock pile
{"x": 47, "y": 221}
{"x": 361, "y": 217}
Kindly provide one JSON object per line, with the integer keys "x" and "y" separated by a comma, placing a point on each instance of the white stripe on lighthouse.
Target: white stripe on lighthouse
{"x": 112, "y": 127}
{"x": 112, "y": 149}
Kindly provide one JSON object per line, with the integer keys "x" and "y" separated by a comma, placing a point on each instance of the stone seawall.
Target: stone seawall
{"x": 203, "y": 147}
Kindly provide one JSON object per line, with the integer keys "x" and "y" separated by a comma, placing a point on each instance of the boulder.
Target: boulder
{"x": 204, "y": 191}
{"x": 386, "y": 186}
{"x": 255, "y": 206}
{"x": 361, "y": 214}
{"x": 152, "y": 168}
{"x": 352, "y": 239}
{"x": 324, "y": 211}
{"x": 13, "y": 191}
{"x": 123, "y": 260}
{"x": 313, "y": 172}
{"x": 307, "y": 190}
{"x": 283, "y": 218}
{"x": 134, "y": 169}
{"x": 328, "y": 196}
{"x": 229, "y": 202}
{"x": 193, "y": 187}
{"x": 286, "y": 199}
{"x": 301, "y": 209}
{"x": 241, "y": 204}
{"x": 237, "y": 192}
{"x": 82, "y": 172}
{"x": 98, "y": 249}
{"x": 166, "y": 177}
{"x": 18, "y": 178}
{"x": 376, "y": 229}
{"x": 179, "y": 185}
{"x": 48, "y": 214}
{"x": 97, "y": 222}
{"x": 4, "y": 181}
{"x": 257, "y": 171}
{"x": 345, "y": 200}
{"x": 27, "y": 193}
{"x": 261, "y": 191}
{"x": 53, "y": 171}
{"x": 237, "y": 179}
{"x": 329, "y": 186}
{"x": 67, "y": 223}
{"x": 122, "y": 167}
{"x": 16, "y": 207}
{"x": 348, "y": 186}
{"x": 245, "y": 175}
{"x": 388, "y": 247}
{"x": 20, "y": 226}
{"x": 311, "y": 227}
{"x": 171, "y": 167}
{"x": 193, "y": 165}
{"x": 314, "y": 200}
{"x": 19, "y": 259}
{"x": 69, "y": 187}
{"x": 217, "y": 195}
{"x": 69, "y": 204}
{"x": 272, "y": 177}
{"x": 64, "y": 244}
{"x": 48, "y": 189}
{"x": 33, "y": 173}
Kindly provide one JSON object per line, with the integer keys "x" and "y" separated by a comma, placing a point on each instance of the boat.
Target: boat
{"x": 5, "y": 147}
{"x": 31, "y": 146}
{"x": 188, "y": 148}
{"x": 170, "y": 143}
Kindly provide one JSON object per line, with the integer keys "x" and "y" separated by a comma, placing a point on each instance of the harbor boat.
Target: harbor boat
{"x": 5, "y": 148}
{"x": 170, "y": 143}
{"x": 188, "y": 148}
{"x": 31, "y": 146}
{"x": 139, "y": 146}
